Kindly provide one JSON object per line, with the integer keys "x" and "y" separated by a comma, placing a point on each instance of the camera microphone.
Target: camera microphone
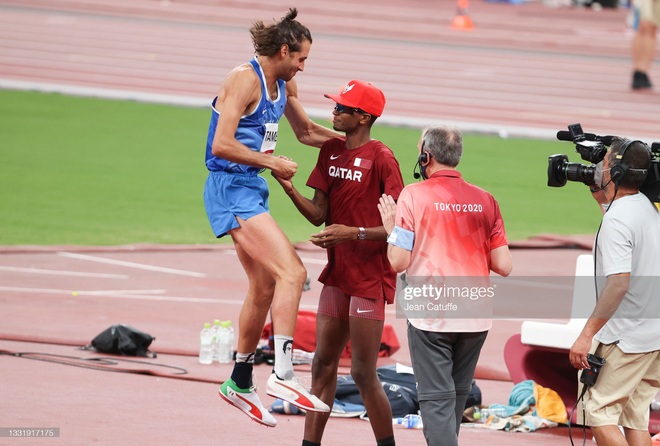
{"x": 564, "y": 135}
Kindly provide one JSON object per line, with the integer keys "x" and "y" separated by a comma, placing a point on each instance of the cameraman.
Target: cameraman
{"x": 624, "y": 327}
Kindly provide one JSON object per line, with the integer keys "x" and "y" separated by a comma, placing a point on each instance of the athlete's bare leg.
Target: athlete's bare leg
{"x": 257, "y": 302}
{"x": 331, "y": 338}
{"x": 366, "y": 335}
{"x": 276, "y": 276}
{"x": 643, "y": 46}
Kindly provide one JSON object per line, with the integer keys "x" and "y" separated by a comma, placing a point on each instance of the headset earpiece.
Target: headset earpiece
{"x": 620, "y": 169}
{"x": 617, "y": 173}
{"x": 422, "y": 161}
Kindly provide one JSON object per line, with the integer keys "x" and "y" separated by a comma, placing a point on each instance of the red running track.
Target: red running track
{"x": 56, "y": 299}
{"x": 525, "y": 70}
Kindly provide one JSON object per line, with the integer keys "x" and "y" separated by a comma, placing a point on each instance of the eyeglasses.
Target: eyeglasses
{"x": 349, "y": 110}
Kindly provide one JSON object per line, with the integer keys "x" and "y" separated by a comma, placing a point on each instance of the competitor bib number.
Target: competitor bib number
{"x": 270, "y": 138}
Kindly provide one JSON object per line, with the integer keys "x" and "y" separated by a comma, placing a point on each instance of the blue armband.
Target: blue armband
{"x": 402, "y": 238}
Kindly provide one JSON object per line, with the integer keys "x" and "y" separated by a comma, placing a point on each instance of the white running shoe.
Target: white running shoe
{"x": 246, "y": 400}
{"x": 290, "y": 390}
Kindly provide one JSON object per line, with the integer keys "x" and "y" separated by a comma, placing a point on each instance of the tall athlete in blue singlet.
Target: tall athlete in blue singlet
{"x": 257, "y": 130}
{"x": 241, "y": 141}
{"x": 234, "y": 189}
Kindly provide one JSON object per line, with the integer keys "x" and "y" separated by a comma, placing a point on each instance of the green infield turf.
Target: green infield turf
{"x": 88, "y": 171}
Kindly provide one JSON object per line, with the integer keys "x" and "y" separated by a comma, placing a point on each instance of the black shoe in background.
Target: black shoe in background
{"x": 640, "y": 81}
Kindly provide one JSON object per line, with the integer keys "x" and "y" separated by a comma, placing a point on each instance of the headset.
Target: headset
{"x": 422, "y": 161}
{"x": 620, "y": 169}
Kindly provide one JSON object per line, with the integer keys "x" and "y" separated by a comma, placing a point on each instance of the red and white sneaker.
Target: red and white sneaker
{"x": 292, "y": 391}
{"x": 246, "y": 400}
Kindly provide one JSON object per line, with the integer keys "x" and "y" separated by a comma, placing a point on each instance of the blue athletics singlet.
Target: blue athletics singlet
{"x": 257, "y": 130}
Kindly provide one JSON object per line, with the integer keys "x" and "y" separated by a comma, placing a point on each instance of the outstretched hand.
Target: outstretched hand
{"x": 387, "y": 209}
{"x": 333, "y": 235}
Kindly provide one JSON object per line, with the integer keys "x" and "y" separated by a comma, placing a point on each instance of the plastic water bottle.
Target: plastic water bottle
{"x": 410, "y": 421}
{"x": 484, "y": 415}
{"x": 498, "y": 412}
{"x": 225, "y": 343}
{"x": 655, "y": 404}
{"x": 216, "y": 339}
{"x": 301, "y": 357}
{"x": 206, "y": 344}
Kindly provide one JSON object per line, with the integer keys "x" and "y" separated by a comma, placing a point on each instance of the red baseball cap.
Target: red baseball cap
{"x": 362, "y": 95}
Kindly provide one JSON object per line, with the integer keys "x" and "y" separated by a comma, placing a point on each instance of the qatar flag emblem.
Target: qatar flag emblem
{"x": 362, "y": 163}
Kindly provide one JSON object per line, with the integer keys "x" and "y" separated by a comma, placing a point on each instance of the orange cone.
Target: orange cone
{"x": 462, "y": 19}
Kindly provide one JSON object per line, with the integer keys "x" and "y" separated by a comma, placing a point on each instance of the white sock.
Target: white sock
{"x": 245, "y": 357}
{"x": 283, "y": 365}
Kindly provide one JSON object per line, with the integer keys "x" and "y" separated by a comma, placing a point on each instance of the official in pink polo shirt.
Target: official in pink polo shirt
{"x": 444, "y": 231}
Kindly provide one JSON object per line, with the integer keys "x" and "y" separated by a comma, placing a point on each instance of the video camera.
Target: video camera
{"x": 593, "y": 148}
{"x": 588, "y": 376}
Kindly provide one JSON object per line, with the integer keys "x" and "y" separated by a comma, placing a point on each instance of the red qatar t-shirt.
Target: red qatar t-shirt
{"x": 354, "y": 180}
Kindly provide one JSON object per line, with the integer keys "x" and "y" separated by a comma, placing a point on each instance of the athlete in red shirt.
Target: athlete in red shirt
{"x": 350, "y": 176}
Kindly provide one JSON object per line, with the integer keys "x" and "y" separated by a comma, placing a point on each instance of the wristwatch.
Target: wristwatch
{"x": 362, "y": 233}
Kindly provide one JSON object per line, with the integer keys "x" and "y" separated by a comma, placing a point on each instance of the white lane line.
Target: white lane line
{"x": 61, "y": 273}
{"x": 131, "y": 264}
{"x": 68, "y": 292}
{"x": 134, "y": 294}
{"x": 111, "y": 292}
{"x": 188, "y": 299}
{"x": 304, "y": 259}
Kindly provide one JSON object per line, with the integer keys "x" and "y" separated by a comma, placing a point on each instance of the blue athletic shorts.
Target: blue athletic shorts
{"x": 231, "y": 195}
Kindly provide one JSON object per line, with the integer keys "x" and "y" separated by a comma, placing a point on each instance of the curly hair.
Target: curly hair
{"x": 267, "y": 40}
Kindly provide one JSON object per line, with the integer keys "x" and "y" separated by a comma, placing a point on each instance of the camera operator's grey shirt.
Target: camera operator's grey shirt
{"x": 629, "y": 242}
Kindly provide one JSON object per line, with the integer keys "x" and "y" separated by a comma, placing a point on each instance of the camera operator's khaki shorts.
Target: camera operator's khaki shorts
{"x": 624, "y": 388}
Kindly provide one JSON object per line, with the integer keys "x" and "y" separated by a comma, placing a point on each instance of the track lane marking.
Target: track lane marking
{"x": 304, "y": 259}
{"x": 62, "y": 273}
{"x": 134, "y": 294}
{"x": 89, "y": 258}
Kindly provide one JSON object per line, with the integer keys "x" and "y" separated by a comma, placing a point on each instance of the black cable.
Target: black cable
{"x": 94, "y": 363}
{"x": 595, "y": 255}
{"x": 585, "y": 387}
{"x": 616, "y": 191}
{"x": 570, "y": 417}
